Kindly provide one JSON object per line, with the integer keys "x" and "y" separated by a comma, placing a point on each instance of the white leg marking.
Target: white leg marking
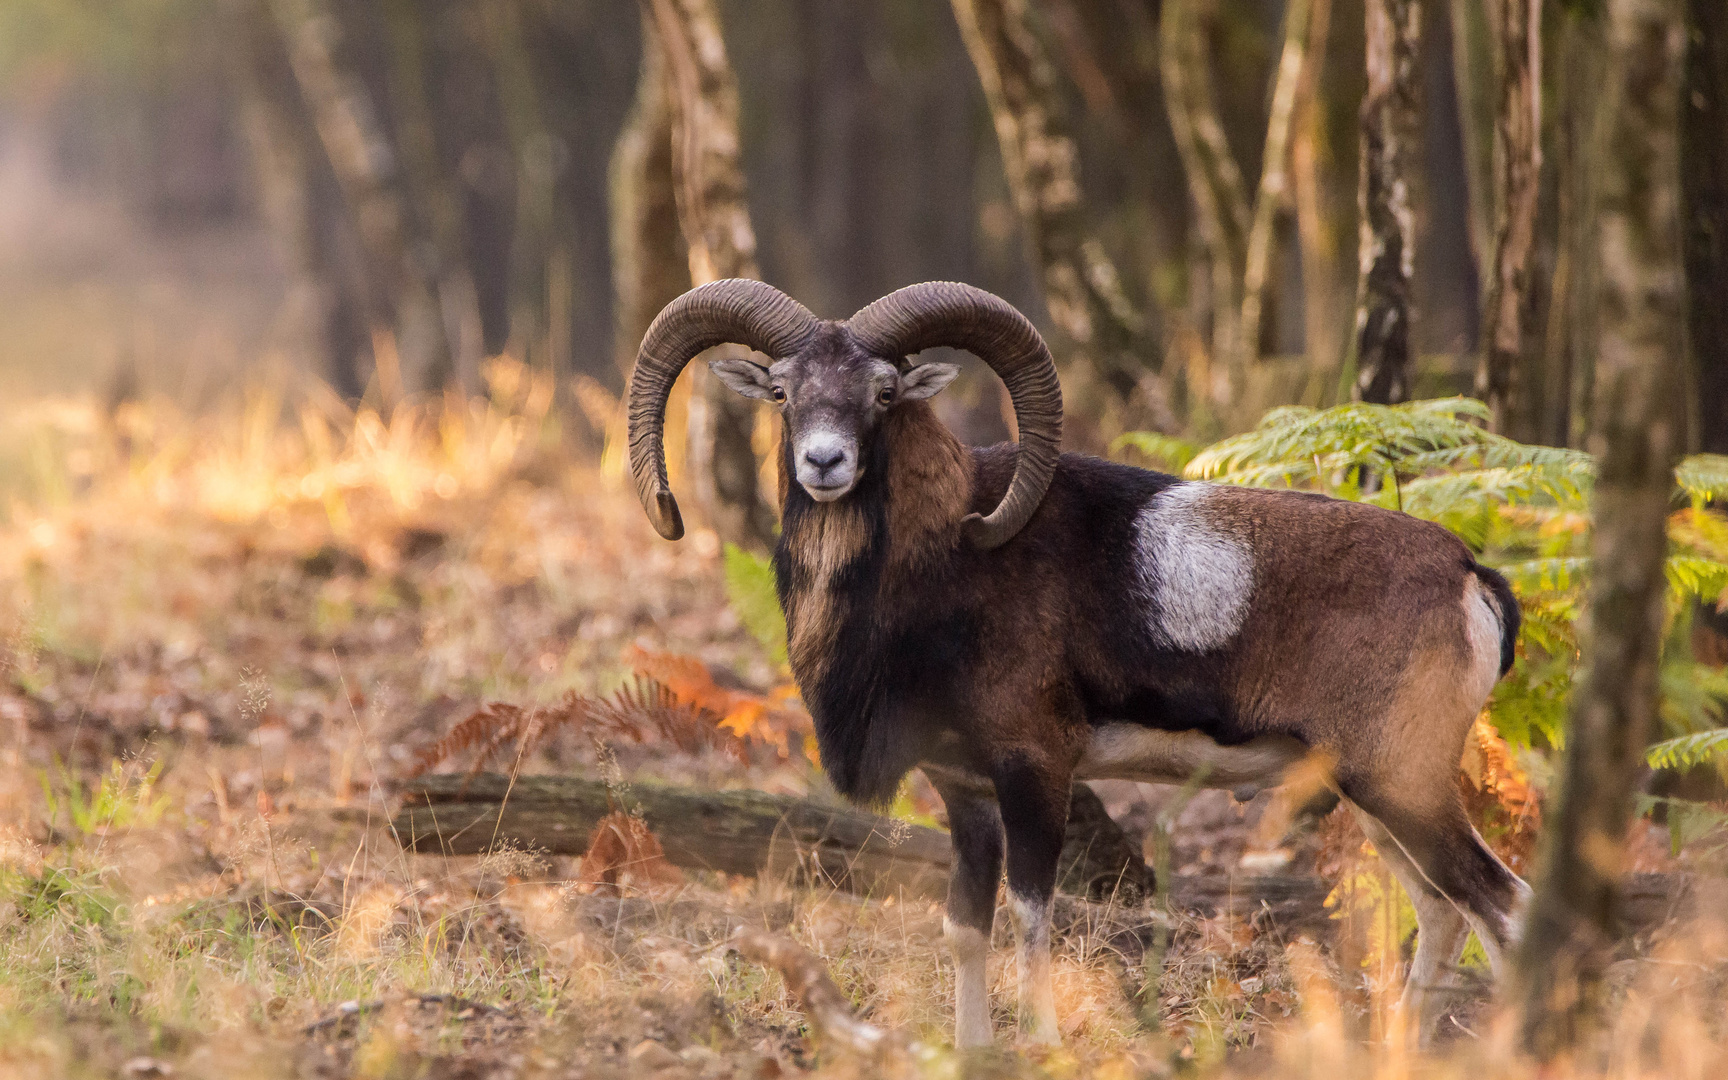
{"x": 1196, "y": 576}
{"x": 1037, "y": 995}
{"x": 971, "y": 985}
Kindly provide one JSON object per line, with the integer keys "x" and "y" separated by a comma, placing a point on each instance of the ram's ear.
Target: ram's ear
{"x": 747, "y": 378}
{"x": 926, "y": 380}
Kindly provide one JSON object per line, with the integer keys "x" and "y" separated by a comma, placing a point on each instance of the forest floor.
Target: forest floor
{"x": 226, "y": 642}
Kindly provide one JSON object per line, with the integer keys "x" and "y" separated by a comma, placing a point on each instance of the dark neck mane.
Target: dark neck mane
{"x": 840, "y": 566}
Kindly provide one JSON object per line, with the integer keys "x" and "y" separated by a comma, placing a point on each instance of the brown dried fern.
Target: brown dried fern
{"x": 640, "y": 711}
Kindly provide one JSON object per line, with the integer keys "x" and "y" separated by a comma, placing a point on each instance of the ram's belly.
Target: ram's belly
{"x": 1132, "y": 752}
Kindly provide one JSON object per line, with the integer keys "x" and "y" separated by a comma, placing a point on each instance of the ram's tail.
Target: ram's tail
{"x": 1506, "y": 606}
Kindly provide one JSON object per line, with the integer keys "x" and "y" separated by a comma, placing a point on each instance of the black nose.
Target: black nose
{"x": 825, "y": 459}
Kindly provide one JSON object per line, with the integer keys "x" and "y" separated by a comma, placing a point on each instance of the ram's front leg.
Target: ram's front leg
{"x": 975, "y": 828}
{"x": 1034, "y": 805}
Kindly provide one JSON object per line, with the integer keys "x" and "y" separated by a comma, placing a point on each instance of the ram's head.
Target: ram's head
{"x": 835, "y": 381}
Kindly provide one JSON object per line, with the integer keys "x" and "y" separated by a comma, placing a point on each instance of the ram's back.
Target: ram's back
{"x": 1235, "y": 611}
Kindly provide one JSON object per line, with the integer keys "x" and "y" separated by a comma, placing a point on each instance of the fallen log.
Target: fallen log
{"x": 736, "y": 832}
{"x": 742, "y": 832}
{"x": 755, "y": 833}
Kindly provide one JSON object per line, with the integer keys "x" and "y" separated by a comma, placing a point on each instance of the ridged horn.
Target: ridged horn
{"x": 959, "y": 316}
{"x": 732, "y": 311}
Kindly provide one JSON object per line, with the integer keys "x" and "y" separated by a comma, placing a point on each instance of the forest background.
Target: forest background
{"x": 358, "y": 285}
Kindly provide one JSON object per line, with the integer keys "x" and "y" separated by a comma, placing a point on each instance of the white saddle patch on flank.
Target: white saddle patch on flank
{"x": 1197, "y": 576}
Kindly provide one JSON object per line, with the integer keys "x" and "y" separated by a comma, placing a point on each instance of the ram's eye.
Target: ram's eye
{"x": 778, "y": 393}
{"x": 886, "y": 397}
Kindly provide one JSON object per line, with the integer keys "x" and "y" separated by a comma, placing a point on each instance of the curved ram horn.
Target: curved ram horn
{"x": 947, "y": 313}
{"x": 732, "y": 311}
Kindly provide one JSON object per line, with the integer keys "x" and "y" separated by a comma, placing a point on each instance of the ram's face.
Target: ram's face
{"x": 832, "y": 396}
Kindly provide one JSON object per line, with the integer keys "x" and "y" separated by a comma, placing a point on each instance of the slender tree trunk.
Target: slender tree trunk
{"x": 1704, "y": 202}
{"x": 464, "y": 98}
{"x": 1274, "y": 173}
{"x": 409, "y": 28}
{"x": 564, "y": 71}
{"x": 1704, "y": 206}
{"x": 302, "y": 202}
{"x": 1473, "y": 68}
{"x": 1322, "y": 317}
{"x": 1039, "y": 156}
{"x": 1641, "y": 434}
{"x": 1572, "y": 315}
{"x": 721, "y": 243}
{"x": 354, "y": 130}
{"x": 845, "y": 179}
{"x": 1385, "y": 358}
{"x": 1509, "y": 279}
{"x": 1222, "y": 212}
{"x": 534, "y": 154}
{"x": 648, "y": 269}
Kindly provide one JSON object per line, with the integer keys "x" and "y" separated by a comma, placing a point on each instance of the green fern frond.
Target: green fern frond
{"x": 1535, "y": 576}
{"x": 1694, "y": 575}
{"x": 1173, "y": 452}
{"x": 750, "y": 589}
{"x": 1533, "y": 699}
{"x": 1551, "y": 623}
{"x": 1688, "y": 750}
{"x": 1498, "y": 452}
{"x": 1273, "y": 474}
{"x": 1450, "y": 408}
{"x": 1694, "y": 696}
{"x": 1451, "y": 496}
{"x": 1704, "y": 476}
{"x": 1375, "y": 436}
{"x": 1688, "y": 575}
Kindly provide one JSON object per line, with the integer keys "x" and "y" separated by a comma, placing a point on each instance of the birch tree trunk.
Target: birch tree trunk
{"x": 1640, "y": 436}
{"x": 1222, "y": 213}
{"x": 1509, "y": 300}
{"x": 1385, "y": 361}
{"x": 1039, "y": 156}
{"x": 648, "y": 271}
{"x": 721, "y": 243}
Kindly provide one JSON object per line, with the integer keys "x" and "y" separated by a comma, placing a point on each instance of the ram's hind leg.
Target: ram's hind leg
{"x": 1440, "y": 934}
{"x": 975, "y": 828}
{"x": 1442, "y": 862}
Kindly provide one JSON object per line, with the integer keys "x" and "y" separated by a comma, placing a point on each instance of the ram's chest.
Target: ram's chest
{"x": 820, "y": 551}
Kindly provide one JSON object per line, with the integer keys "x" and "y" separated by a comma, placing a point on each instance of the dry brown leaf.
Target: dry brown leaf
{"x": 625, "y": 855}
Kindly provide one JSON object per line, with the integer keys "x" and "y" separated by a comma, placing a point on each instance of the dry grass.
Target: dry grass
{"x": 225, "y": 641}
